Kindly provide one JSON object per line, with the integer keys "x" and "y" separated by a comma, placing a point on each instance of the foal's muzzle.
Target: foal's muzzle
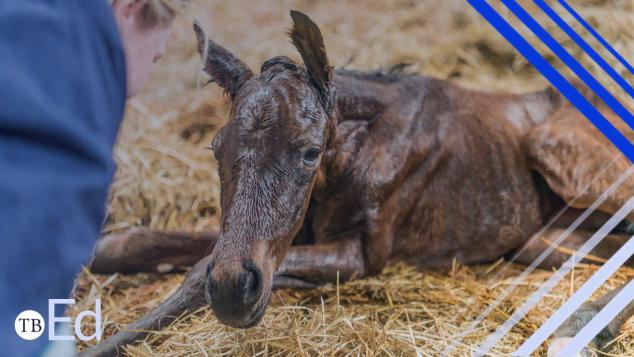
{"x": 235, "y": 293}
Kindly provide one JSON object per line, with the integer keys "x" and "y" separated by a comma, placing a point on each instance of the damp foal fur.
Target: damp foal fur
{"x": 334, "y": 174}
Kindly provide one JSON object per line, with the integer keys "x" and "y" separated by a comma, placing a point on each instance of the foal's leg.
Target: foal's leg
{"x": 582, "y": 316}
{"x": 145, "y": 250}
{"x": 303, "y": 267}
{"x": 308, "y": 266}
{"x": 187, "y": 298}
{"x": 603, "y": 251}
{"x": 578, "y": 163}
{"x": 593, "y": 222}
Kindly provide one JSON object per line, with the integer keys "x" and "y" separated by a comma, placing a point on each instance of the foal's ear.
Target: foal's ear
{"x": 229, "y": 72}
{"x": 307, "y": 39}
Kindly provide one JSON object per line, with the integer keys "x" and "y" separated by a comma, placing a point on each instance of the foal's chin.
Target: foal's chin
{"x": 256, "y": 316}
{"x": 243, "y": 320}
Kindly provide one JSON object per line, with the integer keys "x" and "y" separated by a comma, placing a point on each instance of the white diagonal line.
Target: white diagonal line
{"x": 590, "y": 286}
{"x": 458, "y": 338}
{"x": 599, "y": 321}
{"x": 596, "y": 238}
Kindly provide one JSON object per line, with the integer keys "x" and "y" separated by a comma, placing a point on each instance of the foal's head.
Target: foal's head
{"x": 268, "y": 153}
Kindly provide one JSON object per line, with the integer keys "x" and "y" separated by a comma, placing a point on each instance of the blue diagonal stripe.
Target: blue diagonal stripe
{"x": 585, "y": 46}
{"x": 570, "y": 61}
{"x": 554, "y": 77}
{"x": 597, "y": 36}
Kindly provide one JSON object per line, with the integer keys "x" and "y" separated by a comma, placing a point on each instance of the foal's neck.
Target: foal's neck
{"x": 360, "y": 97}
{"x": 363, "y": 95}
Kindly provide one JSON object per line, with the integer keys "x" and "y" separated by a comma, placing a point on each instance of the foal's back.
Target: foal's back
{"x": 439, "y": 168}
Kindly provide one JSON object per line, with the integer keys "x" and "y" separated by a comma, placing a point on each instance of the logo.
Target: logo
{"x": 29, "y": 324}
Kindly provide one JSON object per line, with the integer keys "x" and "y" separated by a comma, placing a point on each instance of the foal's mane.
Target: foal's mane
{"x": 389, "y": 75}
{"x": 382, "y": 75}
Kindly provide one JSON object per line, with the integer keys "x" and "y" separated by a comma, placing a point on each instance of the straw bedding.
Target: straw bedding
{"x": 167, "y": 179}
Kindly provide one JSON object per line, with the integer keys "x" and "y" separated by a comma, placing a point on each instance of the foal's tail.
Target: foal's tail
{"x": 623, "y": 232}
{"x": 582, "y": 316}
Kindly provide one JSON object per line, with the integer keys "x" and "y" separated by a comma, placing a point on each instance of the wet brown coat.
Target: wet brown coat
{"x": 334, "y": 174}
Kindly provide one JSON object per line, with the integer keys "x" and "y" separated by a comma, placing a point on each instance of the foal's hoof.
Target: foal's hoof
{"x": 559, "y": 343}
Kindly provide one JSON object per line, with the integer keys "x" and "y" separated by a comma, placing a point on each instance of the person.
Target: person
{"x": 66, "y": 69}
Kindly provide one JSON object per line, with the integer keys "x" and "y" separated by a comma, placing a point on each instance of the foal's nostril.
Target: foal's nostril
{"x": 251, "y": 285}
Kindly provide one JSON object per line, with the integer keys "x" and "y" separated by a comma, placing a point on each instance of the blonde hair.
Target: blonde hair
{"x": 160, "y": 12}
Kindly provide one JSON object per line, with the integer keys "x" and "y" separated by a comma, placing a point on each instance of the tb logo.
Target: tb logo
{"x": 29, "y": 324}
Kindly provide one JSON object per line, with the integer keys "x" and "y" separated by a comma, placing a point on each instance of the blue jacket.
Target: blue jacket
{"x": 62, "y": 95}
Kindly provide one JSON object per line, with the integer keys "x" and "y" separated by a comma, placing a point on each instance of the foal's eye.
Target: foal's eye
{"x": 311, "y": 156}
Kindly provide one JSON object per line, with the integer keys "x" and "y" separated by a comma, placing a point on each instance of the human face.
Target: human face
{"x": 143, "y": 46}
